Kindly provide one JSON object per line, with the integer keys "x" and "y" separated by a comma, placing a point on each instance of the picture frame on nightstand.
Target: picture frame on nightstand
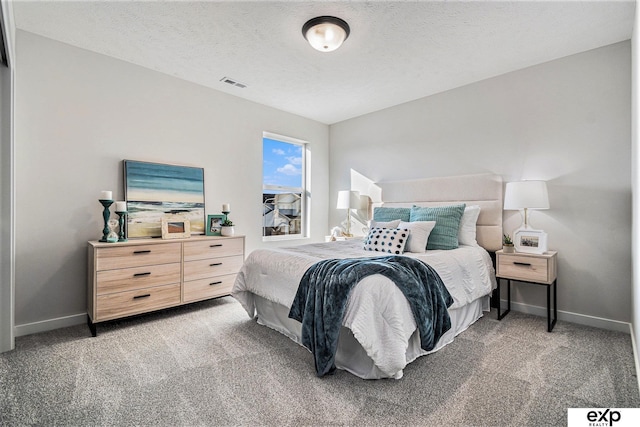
{"x": 530, "y": 241}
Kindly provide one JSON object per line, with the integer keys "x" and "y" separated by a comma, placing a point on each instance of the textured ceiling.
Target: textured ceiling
{"x": 397, "y": 51}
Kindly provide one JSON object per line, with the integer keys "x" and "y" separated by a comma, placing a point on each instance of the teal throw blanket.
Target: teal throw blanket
{"x": 322, "y": 296}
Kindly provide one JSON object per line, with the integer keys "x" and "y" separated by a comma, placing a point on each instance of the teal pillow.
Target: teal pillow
{"x": 389, "y": 214}
{"x": 445, "y": 234}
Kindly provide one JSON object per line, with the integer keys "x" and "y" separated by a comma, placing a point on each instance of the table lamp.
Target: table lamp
{"x": 348, "y": 200}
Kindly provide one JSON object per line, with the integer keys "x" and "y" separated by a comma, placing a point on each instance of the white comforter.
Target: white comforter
{"x": 377, "y": 312}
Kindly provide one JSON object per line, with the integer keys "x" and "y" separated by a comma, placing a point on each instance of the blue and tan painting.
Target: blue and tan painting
{"x": 154, "y": 190}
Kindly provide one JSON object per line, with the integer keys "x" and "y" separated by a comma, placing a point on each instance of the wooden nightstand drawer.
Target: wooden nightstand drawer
{"x": 208, "y": 288}
{"x": 127, "y": 279}
{"x": 137, "y": 255}
{"x": 213, "y": 248}
{"x": 202, "y": 269}
{"x": 121, "y": 304}
{"x": 528, "y": 267}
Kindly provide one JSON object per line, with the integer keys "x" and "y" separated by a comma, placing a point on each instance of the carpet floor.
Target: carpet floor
{"x": 208, "y": 364}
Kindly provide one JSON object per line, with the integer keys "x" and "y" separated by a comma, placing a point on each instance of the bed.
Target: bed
{"x": 379, "y": 335}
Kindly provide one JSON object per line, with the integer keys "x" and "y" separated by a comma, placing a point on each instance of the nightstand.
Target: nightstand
{"x": 536, "y": 269}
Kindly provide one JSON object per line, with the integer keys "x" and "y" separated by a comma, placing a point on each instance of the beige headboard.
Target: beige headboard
{"x": 484, "y": 190}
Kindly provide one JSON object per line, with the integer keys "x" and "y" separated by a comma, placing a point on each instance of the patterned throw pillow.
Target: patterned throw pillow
{"x": 447, "y": 218}
{"x": 389, "y": 214}
{"x": 390, "y": 240}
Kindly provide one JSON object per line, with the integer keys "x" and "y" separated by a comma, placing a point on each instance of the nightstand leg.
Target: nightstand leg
{"x": 551, "y": 324}
{"x": 501, "y": 315}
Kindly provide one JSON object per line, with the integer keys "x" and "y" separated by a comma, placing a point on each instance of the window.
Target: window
{"x": 284, "y": 187}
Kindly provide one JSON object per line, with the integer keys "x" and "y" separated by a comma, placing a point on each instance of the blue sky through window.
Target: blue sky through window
{"x": 281, "y": 163}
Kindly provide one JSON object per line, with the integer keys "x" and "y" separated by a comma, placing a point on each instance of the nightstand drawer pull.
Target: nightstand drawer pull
{"x": 148, "y": 273}
{"x": 216, "y": 246}
{"x": 526, "y": 264}
{"x": 215, "y": 283}
{"x": 215, "y": 264}
{"x": 141, "y": 296}
{"x": 141, "y": 252}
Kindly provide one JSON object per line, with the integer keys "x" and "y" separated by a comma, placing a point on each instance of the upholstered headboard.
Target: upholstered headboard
{"x": 484, "y": 190}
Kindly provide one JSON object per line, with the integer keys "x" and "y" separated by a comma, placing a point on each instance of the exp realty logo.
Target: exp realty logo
{"x": 603, "y": 417}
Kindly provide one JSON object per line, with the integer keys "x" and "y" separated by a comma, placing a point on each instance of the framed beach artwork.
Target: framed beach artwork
{"x": 153, "y": 190}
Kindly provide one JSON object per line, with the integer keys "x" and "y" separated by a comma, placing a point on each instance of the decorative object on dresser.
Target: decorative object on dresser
{"x": 140, "y": 276}
{"x": 227, "y": 228}
{"x": 348, "y": 200}
{"x": 527, "y": 195}
{"x": 214, "y": 224}
{"x": 175, "y": 227}
{"x": 153, "y": 190}
{"x": 121, "y": 210}
{"x": 537, "y": 269}
{"x": 106, "y": 200}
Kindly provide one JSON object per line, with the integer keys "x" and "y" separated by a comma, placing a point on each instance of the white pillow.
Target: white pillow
{"x": 419, "y": 234}
{"x": 390, "y": 240}
{"x": 384, "y": 224}
{"x": 467, "y": 230}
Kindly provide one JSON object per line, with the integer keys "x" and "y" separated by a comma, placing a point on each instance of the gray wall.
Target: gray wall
{"x": 6, "y": 182}
{"x": 78, "y": 114}
{"x": 567, "y": 122}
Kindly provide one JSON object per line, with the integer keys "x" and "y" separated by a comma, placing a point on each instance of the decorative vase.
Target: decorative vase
{"x": 227, "y": 230}
{"x": 508, "y": 249}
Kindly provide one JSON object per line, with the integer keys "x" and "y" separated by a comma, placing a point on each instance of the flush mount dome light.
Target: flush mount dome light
{"x": 325, "y": 33}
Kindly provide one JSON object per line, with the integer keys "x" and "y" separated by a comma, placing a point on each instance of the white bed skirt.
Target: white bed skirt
{"x": 351, "y": 356}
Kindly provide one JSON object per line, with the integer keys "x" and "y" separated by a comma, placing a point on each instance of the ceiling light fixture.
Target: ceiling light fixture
{"x": 325, "y": 33}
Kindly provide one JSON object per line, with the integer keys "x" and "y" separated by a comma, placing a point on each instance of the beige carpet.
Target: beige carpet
{"x": 208, "y": 364}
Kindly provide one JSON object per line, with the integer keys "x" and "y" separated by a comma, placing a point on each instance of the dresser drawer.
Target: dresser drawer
{"x": 208, "y": 288}
{"x": 137, "y": 255}
{"x": 213, "y": 248}
{"x": 202, "y": 269}
{"x": 128, "y": 279}
{"x": 121, "y": 304}
{"x": 531, "y": 269}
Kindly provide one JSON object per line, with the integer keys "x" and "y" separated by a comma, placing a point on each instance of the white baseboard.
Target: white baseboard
{"x": 49, "y": 325}
{"x": 567, "y": 316}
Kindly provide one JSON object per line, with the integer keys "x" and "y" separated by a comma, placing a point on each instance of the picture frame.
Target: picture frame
{"x": 214, "y": 225}
{"x": 174, "y": 227}
{"x": 530, "y": 241}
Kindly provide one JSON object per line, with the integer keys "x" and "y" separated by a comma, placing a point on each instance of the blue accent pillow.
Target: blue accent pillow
{"x": 390, "y": 214}
{"x": 445, "y": 234}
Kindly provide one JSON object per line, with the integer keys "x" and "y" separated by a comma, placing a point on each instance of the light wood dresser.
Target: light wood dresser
{"x": 140, "y": 276}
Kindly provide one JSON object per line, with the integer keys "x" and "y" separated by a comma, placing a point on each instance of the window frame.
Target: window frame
{"x": 304, "y": 190}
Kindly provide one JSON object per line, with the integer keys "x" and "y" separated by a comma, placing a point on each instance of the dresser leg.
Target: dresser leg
{"x": 92, "y": 326}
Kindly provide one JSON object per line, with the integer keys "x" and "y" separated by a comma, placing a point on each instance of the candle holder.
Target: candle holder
{"x": 105, "y": 215}
{"x": 121, "y": 221}
{"x": 226, "y": 213}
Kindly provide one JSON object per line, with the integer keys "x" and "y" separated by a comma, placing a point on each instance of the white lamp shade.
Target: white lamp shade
{"x": 348, "y": 199}
{"x": 526, "y": 194}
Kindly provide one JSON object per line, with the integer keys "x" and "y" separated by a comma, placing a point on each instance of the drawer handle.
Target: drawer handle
{"x": 216, "y": 246}
{"x": 141, "y": 252}
{"x": 215, "y": 264}
{"x": 526, "y": 264}
{"x": 141, "y": 296}
{"x": 142, "y": 274}
{"x": 215, "y": 283}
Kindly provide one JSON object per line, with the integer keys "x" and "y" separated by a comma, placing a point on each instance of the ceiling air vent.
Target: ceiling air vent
{"x": 233, "y": 82}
